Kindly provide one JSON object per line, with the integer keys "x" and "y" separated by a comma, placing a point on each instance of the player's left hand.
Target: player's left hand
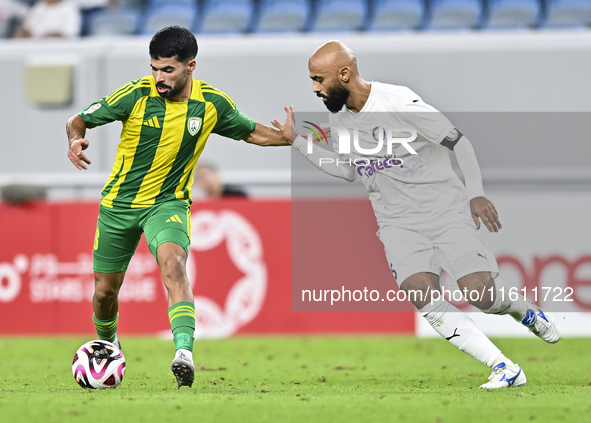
{"x": 483, "y": 208}
{"x": 288, "y": 130}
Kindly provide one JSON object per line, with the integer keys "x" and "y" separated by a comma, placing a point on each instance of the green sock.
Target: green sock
{"x": 106, "y": 329}
{"x": 182, "y": 323}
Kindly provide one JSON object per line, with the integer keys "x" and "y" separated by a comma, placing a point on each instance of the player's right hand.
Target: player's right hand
{"x": 288, "y": 130}
{"x": 483, "y": 208}
{"x": 75, "y": 154}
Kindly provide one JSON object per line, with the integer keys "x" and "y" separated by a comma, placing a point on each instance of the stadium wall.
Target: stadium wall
{"x": 250, "y": 262}
{"x": 239, "y": 266}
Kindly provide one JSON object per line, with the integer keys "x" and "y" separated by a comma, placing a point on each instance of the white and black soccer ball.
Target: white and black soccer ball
{"x": 98, "y": 365}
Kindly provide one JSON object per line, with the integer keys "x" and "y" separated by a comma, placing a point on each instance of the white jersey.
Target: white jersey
{"x": 424, "y": 188}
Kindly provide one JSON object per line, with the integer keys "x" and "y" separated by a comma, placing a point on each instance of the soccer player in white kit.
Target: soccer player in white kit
{"x": 428, "y": 219}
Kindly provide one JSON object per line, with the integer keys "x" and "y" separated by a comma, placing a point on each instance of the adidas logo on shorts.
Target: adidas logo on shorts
{"x": 175, "y": 218}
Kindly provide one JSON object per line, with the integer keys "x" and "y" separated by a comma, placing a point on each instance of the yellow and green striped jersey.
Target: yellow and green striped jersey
{"x": 161, "y": 139}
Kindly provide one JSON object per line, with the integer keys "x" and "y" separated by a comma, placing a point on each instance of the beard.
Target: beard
{"x": 336, "y": 97}
{"x": 172, "y": 91}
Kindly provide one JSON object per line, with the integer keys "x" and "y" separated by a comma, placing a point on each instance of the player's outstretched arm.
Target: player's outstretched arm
{"x": 266, "y": 136}
{"x": 480, "y": 206}
{"x": 327, "y": 161}
{"x": 76, "y": 130}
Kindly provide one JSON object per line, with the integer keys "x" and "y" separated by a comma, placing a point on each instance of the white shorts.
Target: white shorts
{"x": 452, "y": 245}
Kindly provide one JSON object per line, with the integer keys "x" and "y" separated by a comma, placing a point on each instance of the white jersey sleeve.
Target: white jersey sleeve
{"x": 469, "y": 167}
{"x": 327, "y": 161}
{"x": 430, "y": 122}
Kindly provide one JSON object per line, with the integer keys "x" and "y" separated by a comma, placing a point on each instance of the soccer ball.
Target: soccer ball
{"x": 98, "y": 365}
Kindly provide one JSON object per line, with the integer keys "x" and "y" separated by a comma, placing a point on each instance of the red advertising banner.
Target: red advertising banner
{"x": 338, "y": 262}
{"x": 240, "y": 268}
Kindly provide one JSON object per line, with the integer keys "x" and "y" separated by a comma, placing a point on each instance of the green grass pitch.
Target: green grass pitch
{"x": 299, "y": 379}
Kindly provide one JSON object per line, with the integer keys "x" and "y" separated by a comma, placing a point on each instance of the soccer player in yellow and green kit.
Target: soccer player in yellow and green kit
{"x": 167, "y": 118}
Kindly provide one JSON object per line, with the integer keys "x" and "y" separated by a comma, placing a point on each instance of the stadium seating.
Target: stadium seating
{"x": 513, "y": 14}
{"x": 115, "y": 22}
{"x": 339, "y": 15}
{"x": 567, "y": 13}
{"x": 265, "y": 16}
{"x": 396, "y": 15}
{"x": 226, "y": 16}
{"x": 131, "y": 4}
{"x": 283, "y": 15}
{"x": 161, "y": 13}
{"x": 454, "y": 14}
{"x": 158, "y": 3}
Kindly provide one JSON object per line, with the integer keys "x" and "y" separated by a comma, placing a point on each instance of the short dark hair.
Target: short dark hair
{"x": 173, "y": 41}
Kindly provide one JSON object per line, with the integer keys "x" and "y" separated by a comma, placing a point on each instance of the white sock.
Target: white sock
{"x": 503, "y": 304}
{"x": 186, "y": 353}
{"x": 502, "y": 359}
{"x": 460, "y": 331}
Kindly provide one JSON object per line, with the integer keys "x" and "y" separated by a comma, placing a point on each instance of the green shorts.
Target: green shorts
{"x": 118, "y": 232}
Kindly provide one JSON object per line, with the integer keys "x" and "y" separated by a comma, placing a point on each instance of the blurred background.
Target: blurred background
{"x": 513, "y": 75}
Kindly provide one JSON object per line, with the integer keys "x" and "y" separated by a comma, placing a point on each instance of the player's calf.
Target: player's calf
{"x": 528, "y": 314}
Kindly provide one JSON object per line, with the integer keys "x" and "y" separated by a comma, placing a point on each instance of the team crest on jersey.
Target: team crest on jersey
{"x": 194, "y": 124}
{"x": 375, "y": 133}
{"x": 454, "y": 134}
{"x": 93, "y": 108}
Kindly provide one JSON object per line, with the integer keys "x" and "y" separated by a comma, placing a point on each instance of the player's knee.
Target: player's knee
{"x": 173, "y": 269}
{"x": 476, "y": 281}
{"x": 171, "y": 263}
{"x": 105, "y": 294}
{"x": 475, "y": 287}
{"x": 106, "y": 286}
{"x": 418, "y": 290}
